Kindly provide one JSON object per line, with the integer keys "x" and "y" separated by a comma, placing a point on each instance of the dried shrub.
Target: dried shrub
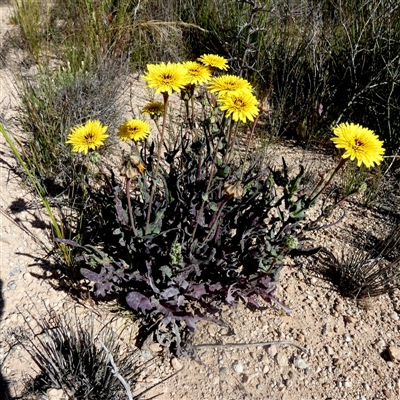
{"x": 367, "y": 272}
{"x": 85, "y": 361}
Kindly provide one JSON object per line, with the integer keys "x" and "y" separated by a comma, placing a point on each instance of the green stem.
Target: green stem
{"x": 207, "y": 189}
{"x": 226, "y": 156}
{"x": 323, "y": 183}
{"x": 248, "y": 144}
{"x": 128, "y": 198}
{"x": 154, "y": 180}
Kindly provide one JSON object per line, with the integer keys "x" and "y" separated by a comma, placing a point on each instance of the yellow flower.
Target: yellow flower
{"x": 228, "y": 83}
{"x": 214, "y": 61}
{"x": 197, "y": 73}
{"x": 154, "y": 109}
{"x": 166, "y": 78}
{"x": 240, "y": 104}
{"x": 359, "y": 143}
{"x": 134, "y": 129}
{"x": 87, "y": 137}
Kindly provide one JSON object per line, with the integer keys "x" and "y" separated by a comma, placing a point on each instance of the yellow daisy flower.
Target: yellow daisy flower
{"x": 197, "y": 73}
{"x": 87, "y": 137}
{"x": 241, "y": 104}
{"x": 154, "y": 109}
{"x": 212, "y": 60}
{"x": 228, "y": 83}
{"x": 134, "y": 129}
{"x": 166, "y": 78}
{"x": 359, "y": 143}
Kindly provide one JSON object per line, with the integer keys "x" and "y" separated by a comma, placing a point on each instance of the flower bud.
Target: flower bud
{"x": 292, "y": 242}
{"x": 234, "y": 190}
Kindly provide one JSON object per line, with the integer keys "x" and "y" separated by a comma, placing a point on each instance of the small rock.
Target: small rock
{"x": 394, "y": 316}
{"x": 347, "y": 338}
{"x": 281, "y": 360}
{"x": 176, "y": 364}
{"x": 223, "y": 371}
{"x": 265, "y": 369}
{"x": 388, "y": 394}
{"x": 11, "y": 285}
{"x": 299, "y": 363}
{"x": 146, "y": 354}
{"x": 259, "y": 386}
{"x": 288, "y": 383}
{"x": 272, "y": 350}
{"x": 56, "y": 394}
{"x": 349, "y": 319}
{"x": 237, "y": 367}
{"x": 155, "y": 348}
{"x": 348, "y": 384}
{"x": 17, "y": 270}
{"x": 394, "y": 353}
{"x": 329, "y": 350}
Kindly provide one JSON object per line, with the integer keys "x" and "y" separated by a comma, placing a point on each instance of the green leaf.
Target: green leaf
{"x": 214, "y": 206}
{"x": 204, "y": 196}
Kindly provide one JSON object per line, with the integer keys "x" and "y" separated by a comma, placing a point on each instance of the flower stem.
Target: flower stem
{"x": 128, "y": 198}
{"x": 248, "y": 144}
{"x": 228, "y": 147}
{"x": 154, "y": 180}
{"x": 207, "y": 189}
{"x": 323, "y": 183}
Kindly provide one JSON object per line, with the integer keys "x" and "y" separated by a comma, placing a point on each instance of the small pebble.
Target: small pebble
{"x": 299, "y": 363}
{"x": 237, "y": 367}
{"x": 176, "y": 364}
{"x": 17, "y": 270}
{"x": 394, "y": 316}
{"x": 11, "y": 285}
{"x": 282, "y": 360}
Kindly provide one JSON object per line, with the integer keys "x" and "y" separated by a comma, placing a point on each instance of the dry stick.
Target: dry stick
{"x": 116, "y": 372}
{"x": 154, "y": 181}
{"x": 238, "y": 345}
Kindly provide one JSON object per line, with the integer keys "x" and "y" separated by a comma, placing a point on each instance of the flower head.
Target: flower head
{"x": 87, "y": 137}
{"x": 212, "y": 60}
{"x": 134, "y": 129}
{"x": 197, "y": 73}
{"x": 154, "y": 109}
{"x": 228, "y": 83}
{"x": 132, "y": 166}
{"x": 359, "y": 143}
{"x": 240, "y": 104}
{"x": 166, "y": 78}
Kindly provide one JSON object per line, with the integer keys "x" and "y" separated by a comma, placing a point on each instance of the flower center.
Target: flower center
{"x": 239, "y": 103}
{"x": 358, "y": 143}
{"x": 89, "y": 137}
{"x": 167, "y": 78}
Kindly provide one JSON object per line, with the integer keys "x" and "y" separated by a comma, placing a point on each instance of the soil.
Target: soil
{"x": 347, "y": 350}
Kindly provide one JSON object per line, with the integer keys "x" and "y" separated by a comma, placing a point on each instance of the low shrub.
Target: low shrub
{"x": 198, "y": 219}
{"x": 74, "y": 355}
